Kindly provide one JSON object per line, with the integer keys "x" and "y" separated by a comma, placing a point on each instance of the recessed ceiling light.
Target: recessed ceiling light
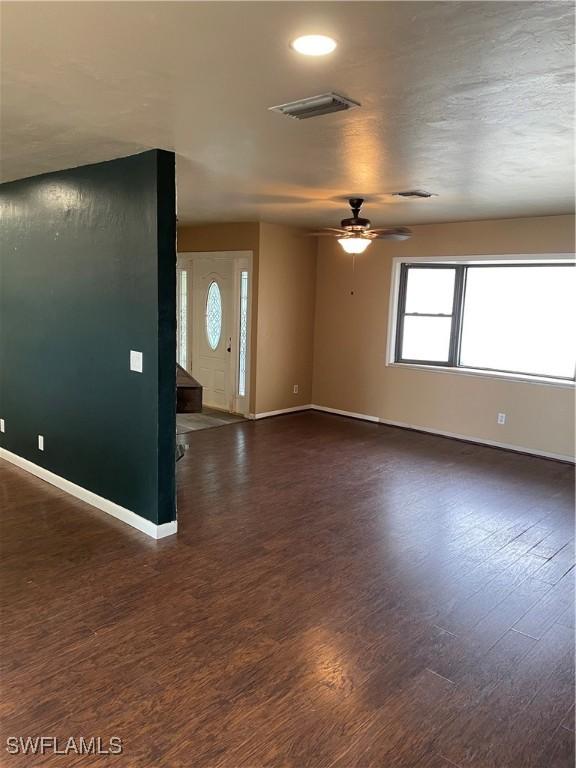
{"x": 313, "y": 45}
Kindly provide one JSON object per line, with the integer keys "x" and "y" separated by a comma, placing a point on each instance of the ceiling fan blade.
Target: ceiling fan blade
{"x": 392, "y": 233}
{"x": 387, "y": 230}
{"x": 329, "y": 231}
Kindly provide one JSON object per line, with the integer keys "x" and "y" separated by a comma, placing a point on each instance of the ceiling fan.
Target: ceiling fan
{"x": 355, "y": 233}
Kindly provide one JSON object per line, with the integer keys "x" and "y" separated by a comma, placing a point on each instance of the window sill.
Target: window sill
{"x": 561, "y": 383}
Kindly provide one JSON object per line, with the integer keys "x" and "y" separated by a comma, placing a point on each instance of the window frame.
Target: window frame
{"x": 455, "y": 315}
{"x": 401, "y": 269}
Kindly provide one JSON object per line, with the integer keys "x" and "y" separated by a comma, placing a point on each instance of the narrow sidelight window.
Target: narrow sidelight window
{"x": 242, "y": 347}
{"x": 182, "y": 318}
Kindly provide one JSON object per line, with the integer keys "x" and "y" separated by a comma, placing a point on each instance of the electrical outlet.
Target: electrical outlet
{"x": 501, "y": 418}
{"x": 2, "y": 426}
{"x": 295, "y": 389}
{"x": 40, "y": 442}
{"x": 136, "y": 361}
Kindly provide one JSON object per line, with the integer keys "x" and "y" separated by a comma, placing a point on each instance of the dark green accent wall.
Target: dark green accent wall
{"x": 87, "y": 273}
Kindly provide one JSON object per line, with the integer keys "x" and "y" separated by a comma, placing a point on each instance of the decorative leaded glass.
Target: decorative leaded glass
{"x": 243, "y": 333}
{"x": 183, "y": 319}
{"x": 213, "y": 315}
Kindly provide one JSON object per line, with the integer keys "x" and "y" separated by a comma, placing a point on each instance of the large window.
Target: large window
{"x": 511, "y": 317}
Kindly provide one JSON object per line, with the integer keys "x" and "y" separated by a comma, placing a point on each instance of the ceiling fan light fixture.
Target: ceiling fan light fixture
{"x": 354, "y": 244}
{"x": 313, "y": 45}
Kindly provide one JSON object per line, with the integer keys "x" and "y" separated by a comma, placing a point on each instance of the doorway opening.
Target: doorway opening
{"x": 214, "y": 291}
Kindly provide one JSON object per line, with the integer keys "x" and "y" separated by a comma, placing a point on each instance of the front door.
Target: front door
{"x": 213, "y": 312}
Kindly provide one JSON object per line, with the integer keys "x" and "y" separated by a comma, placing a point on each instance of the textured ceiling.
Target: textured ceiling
{"x": 471, "y": 100}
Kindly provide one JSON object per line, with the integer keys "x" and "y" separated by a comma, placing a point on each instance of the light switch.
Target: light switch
{"x": 2, "y": 426}
{"x": 136, "y": 361}
{"x": 40, "y": 442}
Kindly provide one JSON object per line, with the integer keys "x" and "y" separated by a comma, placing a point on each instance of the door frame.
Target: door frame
{"x": 242, "y": 261}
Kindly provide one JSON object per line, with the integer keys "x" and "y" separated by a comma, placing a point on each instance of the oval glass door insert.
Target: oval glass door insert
{"x": 213, "y": 315}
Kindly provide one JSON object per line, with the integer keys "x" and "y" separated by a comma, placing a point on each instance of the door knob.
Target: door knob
{"x": 229, "y": 347}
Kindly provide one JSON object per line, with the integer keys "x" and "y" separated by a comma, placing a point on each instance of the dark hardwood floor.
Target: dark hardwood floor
{"x": 340, "y": 594}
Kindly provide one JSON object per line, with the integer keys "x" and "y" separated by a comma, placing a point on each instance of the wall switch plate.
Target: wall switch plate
{"x": 295, "y": 389}
{"x": 136, "y": 361}
{"x": 2, "y": 426}
{"x": 501, "y": 418}
{"x": 40, "y": 442}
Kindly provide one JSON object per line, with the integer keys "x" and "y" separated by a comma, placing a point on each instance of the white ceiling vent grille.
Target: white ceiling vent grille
{"x": 417, "y": 193}
{"x": 314, "y": 106}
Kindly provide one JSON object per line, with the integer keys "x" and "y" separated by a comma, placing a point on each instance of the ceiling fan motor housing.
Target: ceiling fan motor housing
{"x": 355, "y": 223}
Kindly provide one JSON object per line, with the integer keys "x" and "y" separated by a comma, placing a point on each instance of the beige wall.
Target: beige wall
{"x": 285, "y": 335}
{"x": 241, "y": 236}
{"x": 283, "y": 297}
{"x": 350, "y": 371}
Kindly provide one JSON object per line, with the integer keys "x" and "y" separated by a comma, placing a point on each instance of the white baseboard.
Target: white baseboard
{"x": 483, "y": 441}
{"x": 350, "y": 414}
{"x": 120, "y": 513}
{"x": 453, "y": 435}
{"x": 266, "y": 414}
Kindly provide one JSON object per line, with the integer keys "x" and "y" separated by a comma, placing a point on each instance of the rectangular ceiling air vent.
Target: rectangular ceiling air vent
{"x": 314, "y": 106}
{"x": 418, "y": 193}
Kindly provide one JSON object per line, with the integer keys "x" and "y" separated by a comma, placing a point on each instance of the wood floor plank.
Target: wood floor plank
{"x": 435, "y": 761}
{"x": 340, "y": 594}
{"x": 561, "y": 751}
{"x": 569, "y": 720}
{"x": 520, "y": 713}
{"x": 403, "y": 729}
{"x": 559, "y": 565}
{"x": 545, "y": 612}
{"x": 541, "y": 718}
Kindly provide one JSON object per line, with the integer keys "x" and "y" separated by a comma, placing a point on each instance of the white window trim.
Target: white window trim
{"x": 476, "y": 259}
